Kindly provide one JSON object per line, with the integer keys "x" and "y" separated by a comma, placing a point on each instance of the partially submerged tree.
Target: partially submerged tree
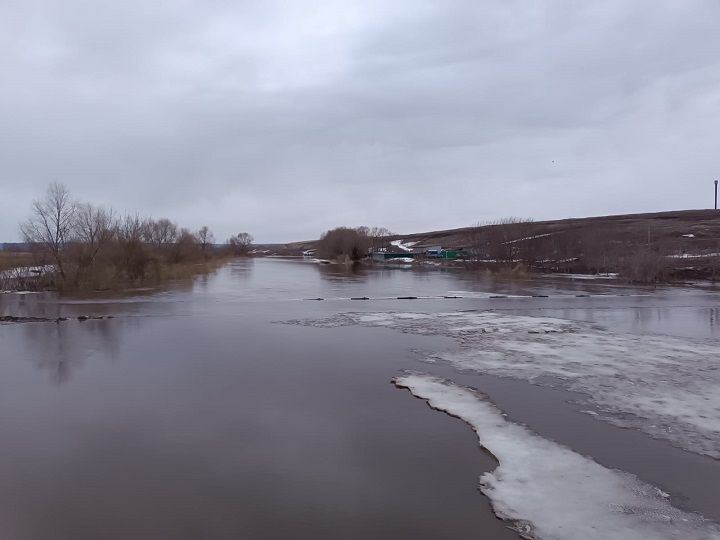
{"x": 90, "y": 247}
{"x": 51, "y": 223}
{"x": 94, "y": 231}
{"x": 186, "y": 247}
{"x": 205, "y": 238}
{"x": 132, "y": 254}
{"x": 240, "y": 243}
{"x": 344, "y": 242}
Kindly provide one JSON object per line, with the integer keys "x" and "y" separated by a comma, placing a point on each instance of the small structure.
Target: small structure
{"x": 412, "y": 250}
{"x": 428, "y": 250}
{"x": 391, "y": 252}
{"x": 436, "y": 251}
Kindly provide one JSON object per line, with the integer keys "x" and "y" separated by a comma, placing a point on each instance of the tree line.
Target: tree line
{"x": 352, "y": 244}
{"x": 91, "y": 246}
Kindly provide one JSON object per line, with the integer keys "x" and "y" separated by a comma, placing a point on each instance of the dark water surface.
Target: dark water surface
{"x": 194, "y": 414}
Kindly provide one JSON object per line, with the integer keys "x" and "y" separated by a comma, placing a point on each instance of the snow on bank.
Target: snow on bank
{"x": 527, "y": 238}
{"x": 405, "y": 246}
{"x": 551, "y": 492}
{"x": 23, "y": 272}
{"x": 664, "y": 386}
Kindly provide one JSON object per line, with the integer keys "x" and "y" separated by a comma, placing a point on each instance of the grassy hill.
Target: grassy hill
{"x": 683, "y": 243}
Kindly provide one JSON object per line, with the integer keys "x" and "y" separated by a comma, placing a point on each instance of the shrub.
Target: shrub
{"x": 344, "y": 242}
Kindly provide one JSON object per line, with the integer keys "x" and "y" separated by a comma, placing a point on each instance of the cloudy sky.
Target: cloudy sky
{"x": 285, "y": 118}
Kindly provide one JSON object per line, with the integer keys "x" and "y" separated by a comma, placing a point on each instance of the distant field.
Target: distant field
{"x": 643, "y": 247}
{"x": 678, "y": 232}
{"x": 13, "y": 259}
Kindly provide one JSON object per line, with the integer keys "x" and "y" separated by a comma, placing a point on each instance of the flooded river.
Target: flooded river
{"x": 249, "y": 404}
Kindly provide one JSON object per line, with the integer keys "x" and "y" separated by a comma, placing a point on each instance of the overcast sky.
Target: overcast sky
{"x": 284, "y": 119}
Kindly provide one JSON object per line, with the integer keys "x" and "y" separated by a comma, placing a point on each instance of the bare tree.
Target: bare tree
{"x": 379, "y": 237}
{"x": 205, "y": 237}
{"x": 161, "y": 232}
{"x": 50, "y": 225}
{"x": 94, "y": 226}
{"x": 186, "y": 247}
{"x": 132, "y": 255}
{"x": 344, "y": 242}
{"x": 241, "y": 243}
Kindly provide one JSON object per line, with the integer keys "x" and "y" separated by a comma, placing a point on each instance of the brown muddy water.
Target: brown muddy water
{"x": 194, "y": 413}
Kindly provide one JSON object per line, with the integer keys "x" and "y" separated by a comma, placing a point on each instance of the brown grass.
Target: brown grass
{"x": 108, "y": 278}
{"x": 14, "y": 259}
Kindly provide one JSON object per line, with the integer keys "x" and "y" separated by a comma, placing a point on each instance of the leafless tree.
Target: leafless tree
{"x": 240, "y": 244}
{"x": 344, "y": 242}
{"x": 50, "y": 225}
{"x": 205, "y": 237}
{"x": 379, "y": 237}
{"x": 94, "y": 226}
{"x": 186, "y": 247}
{"x": 161, "y": 232}
{"x": 133, "y": 255}
{"x": 94, "y": 229}
{"x": 90, "y": 247}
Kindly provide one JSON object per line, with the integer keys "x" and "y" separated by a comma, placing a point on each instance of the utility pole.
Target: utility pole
{"x": 716, "y": 182}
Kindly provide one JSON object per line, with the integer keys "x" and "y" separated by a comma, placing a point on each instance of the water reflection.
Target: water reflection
{"x": 242, "y": 269}
{"x": 341, "y": 273}
{"x": 714, "y": 317}
{"x": 62, "y": 349}
{"x": 190, "y": 410}
{"x": 54, "y": 351}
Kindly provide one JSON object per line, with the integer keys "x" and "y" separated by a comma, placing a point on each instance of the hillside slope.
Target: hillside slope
{"x": 671, "y": 229}
{"x": 679, "y": 243}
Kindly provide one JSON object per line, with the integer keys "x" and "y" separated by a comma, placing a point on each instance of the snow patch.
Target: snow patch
{"x": 26, "y": 272}
{"x": 551, "y": 492}
{"x": 405, "y": 246}
{"x": 527, "y": 238}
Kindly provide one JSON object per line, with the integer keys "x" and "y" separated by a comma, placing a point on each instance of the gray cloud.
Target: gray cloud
{"x": 285, "y": 119}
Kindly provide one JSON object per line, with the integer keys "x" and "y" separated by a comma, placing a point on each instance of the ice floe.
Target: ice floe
{"x": 609, "y": 275}
{"x": 550, "y": 492}
{"x": 662, "y": 385}
{"x": 693, "y": 255}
